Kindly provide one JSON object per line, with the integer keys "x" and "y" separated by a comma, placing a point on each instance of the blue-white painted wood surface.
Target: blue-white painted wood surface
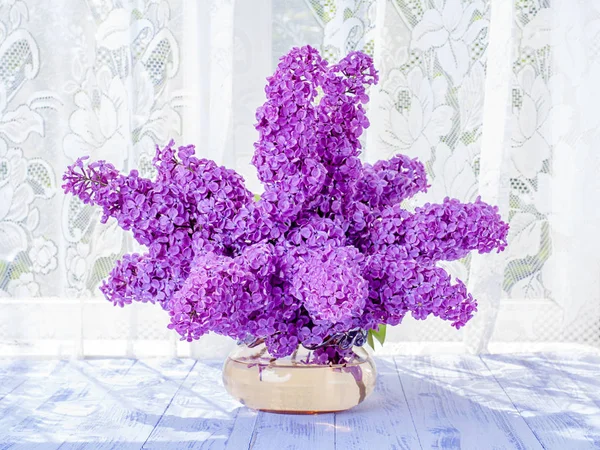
{"x": 455, "y": 402}
{"x": 558, "y": 411}
{"x": 549, "y": 401}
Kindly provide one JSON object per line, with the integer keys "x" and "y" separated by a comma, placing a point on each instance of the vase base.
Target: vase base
{"x": 299, "y": 413}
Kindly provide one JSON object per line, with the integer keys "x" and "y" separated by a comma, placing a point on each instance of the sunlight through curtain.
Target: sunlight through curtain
{"x": 498, "y": 98}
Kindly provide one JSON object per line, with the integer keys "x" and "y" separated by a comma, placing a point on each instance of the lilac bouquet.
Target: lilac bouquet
{"x": 325, "y": 255}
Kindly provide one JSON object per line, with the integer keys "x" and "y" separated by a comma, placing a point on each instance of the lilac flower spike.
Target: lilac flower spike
{"x": 326, "y": 250}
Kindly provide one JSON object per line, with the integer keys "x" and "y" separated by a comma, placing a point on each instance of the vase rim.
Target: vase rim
{"x": 263, "y": 358}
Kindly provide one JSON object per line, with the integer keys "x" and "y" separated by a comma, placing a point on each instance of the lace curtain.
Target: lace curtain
{"x": 498, "y": 97}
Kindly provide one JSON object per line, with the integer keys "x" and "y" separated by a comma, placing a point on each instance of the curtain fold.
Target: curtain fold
{"x": 497, "y": 97}
{"x": 486, "y": 271}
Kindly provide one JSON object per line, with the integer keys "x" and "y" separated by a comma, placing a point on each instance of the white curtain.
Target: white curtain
{"x": 498, "y": 97}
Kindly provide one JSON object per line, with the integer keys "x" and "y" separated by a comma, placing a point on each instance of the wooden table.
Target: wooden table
{"x": 532, "y": 401}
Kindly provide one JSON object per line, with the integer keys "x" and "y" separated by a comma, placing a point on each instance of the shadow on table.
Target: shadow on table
{"x": 517, "y": 399}
{"x": 174, "y": 433}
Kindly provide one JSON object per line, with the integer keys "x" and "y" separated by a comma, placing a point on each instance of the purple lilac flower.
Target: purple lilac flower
{"x": 399, "y": 285}
{"x": 327, "y": 249}
{"x": 389, "y": 182}
{"x": 144, "y": 279}
{"x": 342, "y": 120}
{"x": 285, "y": 154}
{"x": 313, "y": 231}
{"x": 329, "y": 283}
{"x": 221, "y": 294}
{"x": 437, "y": 232}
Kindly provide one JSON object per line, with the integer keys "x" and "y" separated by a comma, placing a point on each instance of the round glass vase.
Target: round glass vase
{"x": 296, "y": 384}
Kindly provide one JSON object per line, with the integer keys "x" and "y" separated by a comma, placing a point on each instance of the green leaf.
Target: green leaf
{"x": 370, "y": 339}
{"x": 380, "y": 333}
{"x": 256, "y": 197}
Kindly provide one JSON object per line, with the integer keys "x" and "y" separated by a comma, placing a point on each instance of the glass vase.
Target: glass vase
{"x": 297, "y": 384}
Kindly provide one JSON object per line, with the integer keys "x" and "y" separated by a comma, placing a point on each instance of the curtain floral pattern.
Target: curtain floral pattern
{"x": 124, "y": 105}
{"x": 112, "y": 79}
{"x": 25, "y": 177}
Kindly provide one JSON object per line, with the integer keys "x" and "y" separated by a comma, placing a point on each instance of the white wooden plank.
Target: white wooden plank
{"x": 455, "y": 402}
{"x": 44, "y": 410}
{"x": 202, "y": 415}
{"x": 94, "y": 379}
{"x": 13, "y": 373}
{"x": 382, "y": 421}
{"x": 18, "y": 407}
{"x": 555, "y": 408}
{"x": 122, "y": 412}
{"x": 581, "y": 367}
{"x": 243, "y": 427}
{"x": 293, "y": 432}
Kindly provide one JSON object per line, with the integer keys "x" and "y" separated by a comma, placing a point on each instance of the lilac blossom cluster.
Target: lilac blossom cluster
{"x": 327, "y": 249}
